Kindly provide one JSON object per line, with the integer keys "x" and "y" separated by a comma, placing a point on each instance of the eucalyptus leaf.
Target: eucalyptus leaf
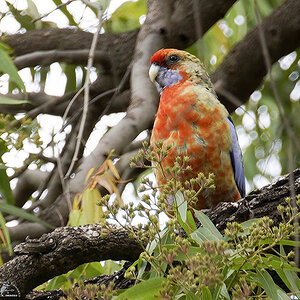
{"x": 146, "y": 290}
{"x": 18, "y": 212}
{"x": 7, "y": 66}
{"x": 265, "y": 280}
{"x": 6, "y": 235}
{"x": 10, "y": 101}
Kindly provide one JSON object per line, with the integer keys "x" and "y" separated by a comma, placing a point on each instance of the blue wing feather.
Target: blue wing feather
{"x": 237, "y": 160}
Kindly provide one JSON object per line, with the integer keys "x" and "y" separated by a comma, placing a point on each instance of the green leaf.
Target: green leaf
{"x": 265, "y": 280}
{"x": 146, "y": 290}
{"x": 91, "y": 210}
{"x": 206, "y": 294}
{"x": 181, "y": 204}
{"x": 289, "y": 277}
{"x": 276, "y": 262}
{"x": 249, "y": 157}
{"x": 24, "y": 19}
{"x": 70, "y": 72}
{"x": 282, "y": 295}
{"x": 248, "y": 224}
{"x": 3, "y": 148}
{"x": 6, "y": 234}
{"x": 152, "y": 245}
{"x": 208, "y": 225}
{"x": 142, "y": 264}
{"x": 65, "y": 11}
{"x": 184, "y": 225}
{"x": 8, "y": 67}
{"x": 33, "y": 12}
{"x": 221, "y": 292}
{"x": 191, "y": 221}
{"x": 111, "y": 266}
{"x": 5, "y": 188}
{"x": 201, "y": 235}
{"x": 58, "y": 282}
{"x": 76, "y": 218}
{"x": 86, "y": 271}
{"x": 10, "y": 101}
{"x": 18, "y": 212}
{"x": 289, "y": 243}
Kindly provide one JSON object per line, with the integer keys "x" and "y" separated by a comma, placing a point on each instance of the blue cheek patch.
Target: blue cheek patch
{"x": 167, "y": 77}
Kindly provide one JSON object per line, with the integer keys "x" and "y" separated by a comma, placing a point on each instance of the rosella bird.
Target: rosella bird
{"x": 192, "y": 120}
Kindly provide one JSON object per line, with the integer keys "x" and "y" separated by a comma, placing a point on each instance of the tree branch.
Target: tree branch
{"x": 45, "y": 58}
{"x": 64, "y": 249}
{"x": 28, "y": 182}
{"x": 67, "y": 247}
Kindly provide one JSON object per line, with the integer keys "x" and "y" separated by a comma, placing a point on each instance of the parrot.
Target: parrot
{"x": 191, "y": 121}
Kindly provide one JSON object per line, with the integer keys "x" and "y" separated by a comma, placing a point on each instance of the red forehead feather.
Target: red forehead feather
{"x": 161, "y": 55}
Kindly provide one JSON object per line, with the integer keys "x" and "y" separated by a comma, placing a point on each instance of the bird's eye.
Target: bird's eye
{"x": 173, "y": 58}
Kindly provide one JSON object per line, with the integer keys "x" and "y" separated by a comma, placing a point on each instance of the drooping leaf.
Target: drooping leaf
{"x": 288, "y": 276}
{"x": 7, "y": 66}
{"x": 265, "y": 280}
{"x": 92, "y": 212}
{"x": 5, "y": 188}
{"x": 181, "y": 204}
{"x": 76, "y": 218}
{"x": 70, "y": 72}
{"x": 24, "y": 19}
{"x": 191, "y": 221}
{"x": 5, "y": 235}
{"x": 282, "y": 295}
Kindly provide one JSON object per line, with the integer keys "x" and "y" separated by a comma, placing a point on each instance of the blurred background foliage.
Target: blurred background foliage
{"x": 266, "y": 147}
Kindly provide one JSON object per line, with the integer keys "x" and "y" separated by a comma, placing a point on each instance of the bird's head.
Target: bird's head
{"x": 172, "y": 66}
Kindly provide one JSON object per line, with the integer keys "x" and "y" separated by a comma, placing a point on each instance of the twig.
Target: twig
{"x": 70, "y": 104}
{"x": 48, "y": 13}
{"x": 86, "y": 90}
{"x": 44, "y": 58}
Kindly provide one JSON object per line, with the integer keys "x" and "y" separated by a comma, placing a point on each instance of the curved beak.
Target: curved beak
{"x": 153, "y": 71}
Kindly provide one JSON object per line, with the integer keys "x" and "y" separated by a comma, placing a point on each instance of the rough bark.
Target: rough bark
{"x": 64, "y": 249}
{"x": 67, "y": 247}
